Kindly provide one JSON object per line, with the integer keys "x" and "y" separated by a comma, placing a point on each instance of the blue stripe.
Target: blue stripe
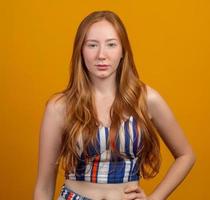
{"x": 135, "y": 136}
{"x": 98, "y": 148}
{"x": 74, "y": 197}
{"x": 116, "y": 172}
{"x": 92, "y": 149}
{"x": 135, "y": 172}
{"x": 130, "y": 172}
{"x": 107, "y": 134}
{"x": 127, "y": 139}
{"x": 80, "y": 169}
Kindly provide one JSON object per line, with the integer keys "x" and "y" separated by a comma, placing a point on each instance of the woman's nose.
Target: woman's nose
{"x": 101, "y": 53}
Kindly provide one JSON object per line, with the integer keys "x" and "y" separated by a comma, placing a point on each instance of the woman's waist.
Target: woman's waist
{"x": 98, "y": 190}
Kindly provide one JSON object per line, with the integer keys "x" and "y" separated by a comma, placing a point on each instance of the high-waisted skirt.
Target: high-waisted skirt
{"x": 68, "y": 194}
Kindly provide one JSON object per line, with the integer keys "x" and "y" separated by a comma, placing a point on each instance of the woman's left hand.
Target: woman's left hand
{"x": 134, "y": 193}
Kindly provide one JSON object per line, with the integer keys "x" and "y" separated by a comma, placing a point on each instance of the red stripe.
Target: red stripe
{"x": 112, "y": 139}
{"x": 70, "y": 196}
{"x": 94, "y": 172}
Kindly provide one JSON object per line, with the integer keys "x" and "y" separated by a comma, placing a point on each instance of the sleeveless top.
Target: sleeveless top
{"x": 106, "y": 168}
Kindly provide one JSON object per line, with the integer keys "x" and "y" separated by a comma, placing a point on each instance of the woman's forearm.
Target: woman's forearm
{"x": 175, "y": 175}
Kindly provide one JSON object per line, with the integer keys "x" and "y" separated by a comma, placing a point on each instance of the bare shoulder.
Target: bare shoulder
{"x": 57, "y": 102}
{"x": 154, "y": 101}
{"x": 152, "y": 94}
{"x": 56, "y": 107}
{"x": 152, "y": 98}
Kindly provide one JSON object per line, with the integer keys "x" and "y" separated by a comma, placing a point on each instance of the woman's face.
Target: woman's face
{"x": 102, "y": 50}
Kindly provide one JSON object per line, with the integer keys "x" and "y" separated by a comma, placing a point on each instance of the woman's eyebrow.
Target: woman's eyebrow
{"x": 93, "y": 40}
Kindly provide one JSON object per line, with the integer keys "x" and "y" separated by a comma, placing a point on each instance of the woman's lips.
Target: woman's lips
{"x": 102, "y": 66}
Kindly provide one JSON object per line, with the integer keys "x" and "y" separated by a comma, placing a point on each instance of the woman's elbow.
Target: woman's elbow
{"x": 42, "y": 194}
{"x": 193, "y": 158}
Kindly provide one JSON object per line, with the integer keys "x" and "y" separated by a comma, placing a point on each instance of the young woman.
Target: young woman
{"x": 103, "y": 127}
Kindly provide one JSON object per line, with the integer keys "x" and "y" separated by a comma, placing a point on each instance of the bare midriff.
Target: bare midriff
{"x": 99, "y": 191}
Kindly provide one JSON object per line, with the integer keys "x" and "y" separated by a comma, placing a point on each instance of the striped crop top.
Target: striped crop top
{"x": 102, "y": 168}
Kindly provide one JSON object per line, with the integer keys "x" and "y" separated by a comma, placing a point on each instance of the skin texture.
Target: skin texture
{"x": 103, "y": 51}
{"x": 102, "y": 46}
{"x": 173, "y": 136}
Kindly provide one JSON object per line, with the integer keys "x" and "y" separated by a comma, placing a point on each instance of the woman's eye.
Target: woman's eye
{"x": 91, "y": 45}
{"x": 112, "y": 44}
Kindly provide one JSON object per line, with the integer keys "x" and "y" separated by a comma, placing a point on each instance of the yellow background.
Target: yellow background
{"x": 171, "y": 46}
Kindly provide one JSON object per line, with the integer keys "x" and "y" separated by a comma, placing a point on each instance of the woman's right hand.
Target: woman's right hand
{"x": 134, "y": 193}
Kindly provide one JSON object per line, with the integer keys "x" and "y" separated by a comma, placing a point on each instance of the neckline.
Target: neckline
{"x": 108, "y": 127}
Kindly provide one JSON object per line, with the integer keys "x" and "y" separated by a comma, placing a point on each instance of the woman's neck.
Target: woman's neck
{"x": 104, "y": 88}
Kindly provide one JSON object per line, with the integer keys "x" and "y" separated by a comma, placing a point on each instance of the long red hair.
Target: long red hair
{"x": 130, "y": 99}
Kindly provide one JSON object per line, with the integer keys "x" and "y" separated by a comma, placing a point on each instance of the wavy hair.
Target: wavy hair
{"x": 81, "y": 116}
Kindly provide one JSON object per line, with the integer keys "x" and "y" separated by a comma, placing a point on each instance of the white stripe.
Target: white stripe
{"x": 127, "y": 170}
{"x": 88, "y": 169}
{"x": 130, "y": 128}
{"x": 102, "y": 136}
{"x": 72, "y": 176}
{"x": 65, "y": 193}
{"x": 103, "y": 167}
{"x": 134, "y": 163}
{"x": 139, "y": 138}
{"x": 122, "y": 138}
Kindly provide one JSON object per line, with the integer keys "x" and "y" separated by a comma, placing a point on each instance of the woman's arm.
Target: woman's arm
{"x": 51, "y": 130}
{"x": 173, "y": 136}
